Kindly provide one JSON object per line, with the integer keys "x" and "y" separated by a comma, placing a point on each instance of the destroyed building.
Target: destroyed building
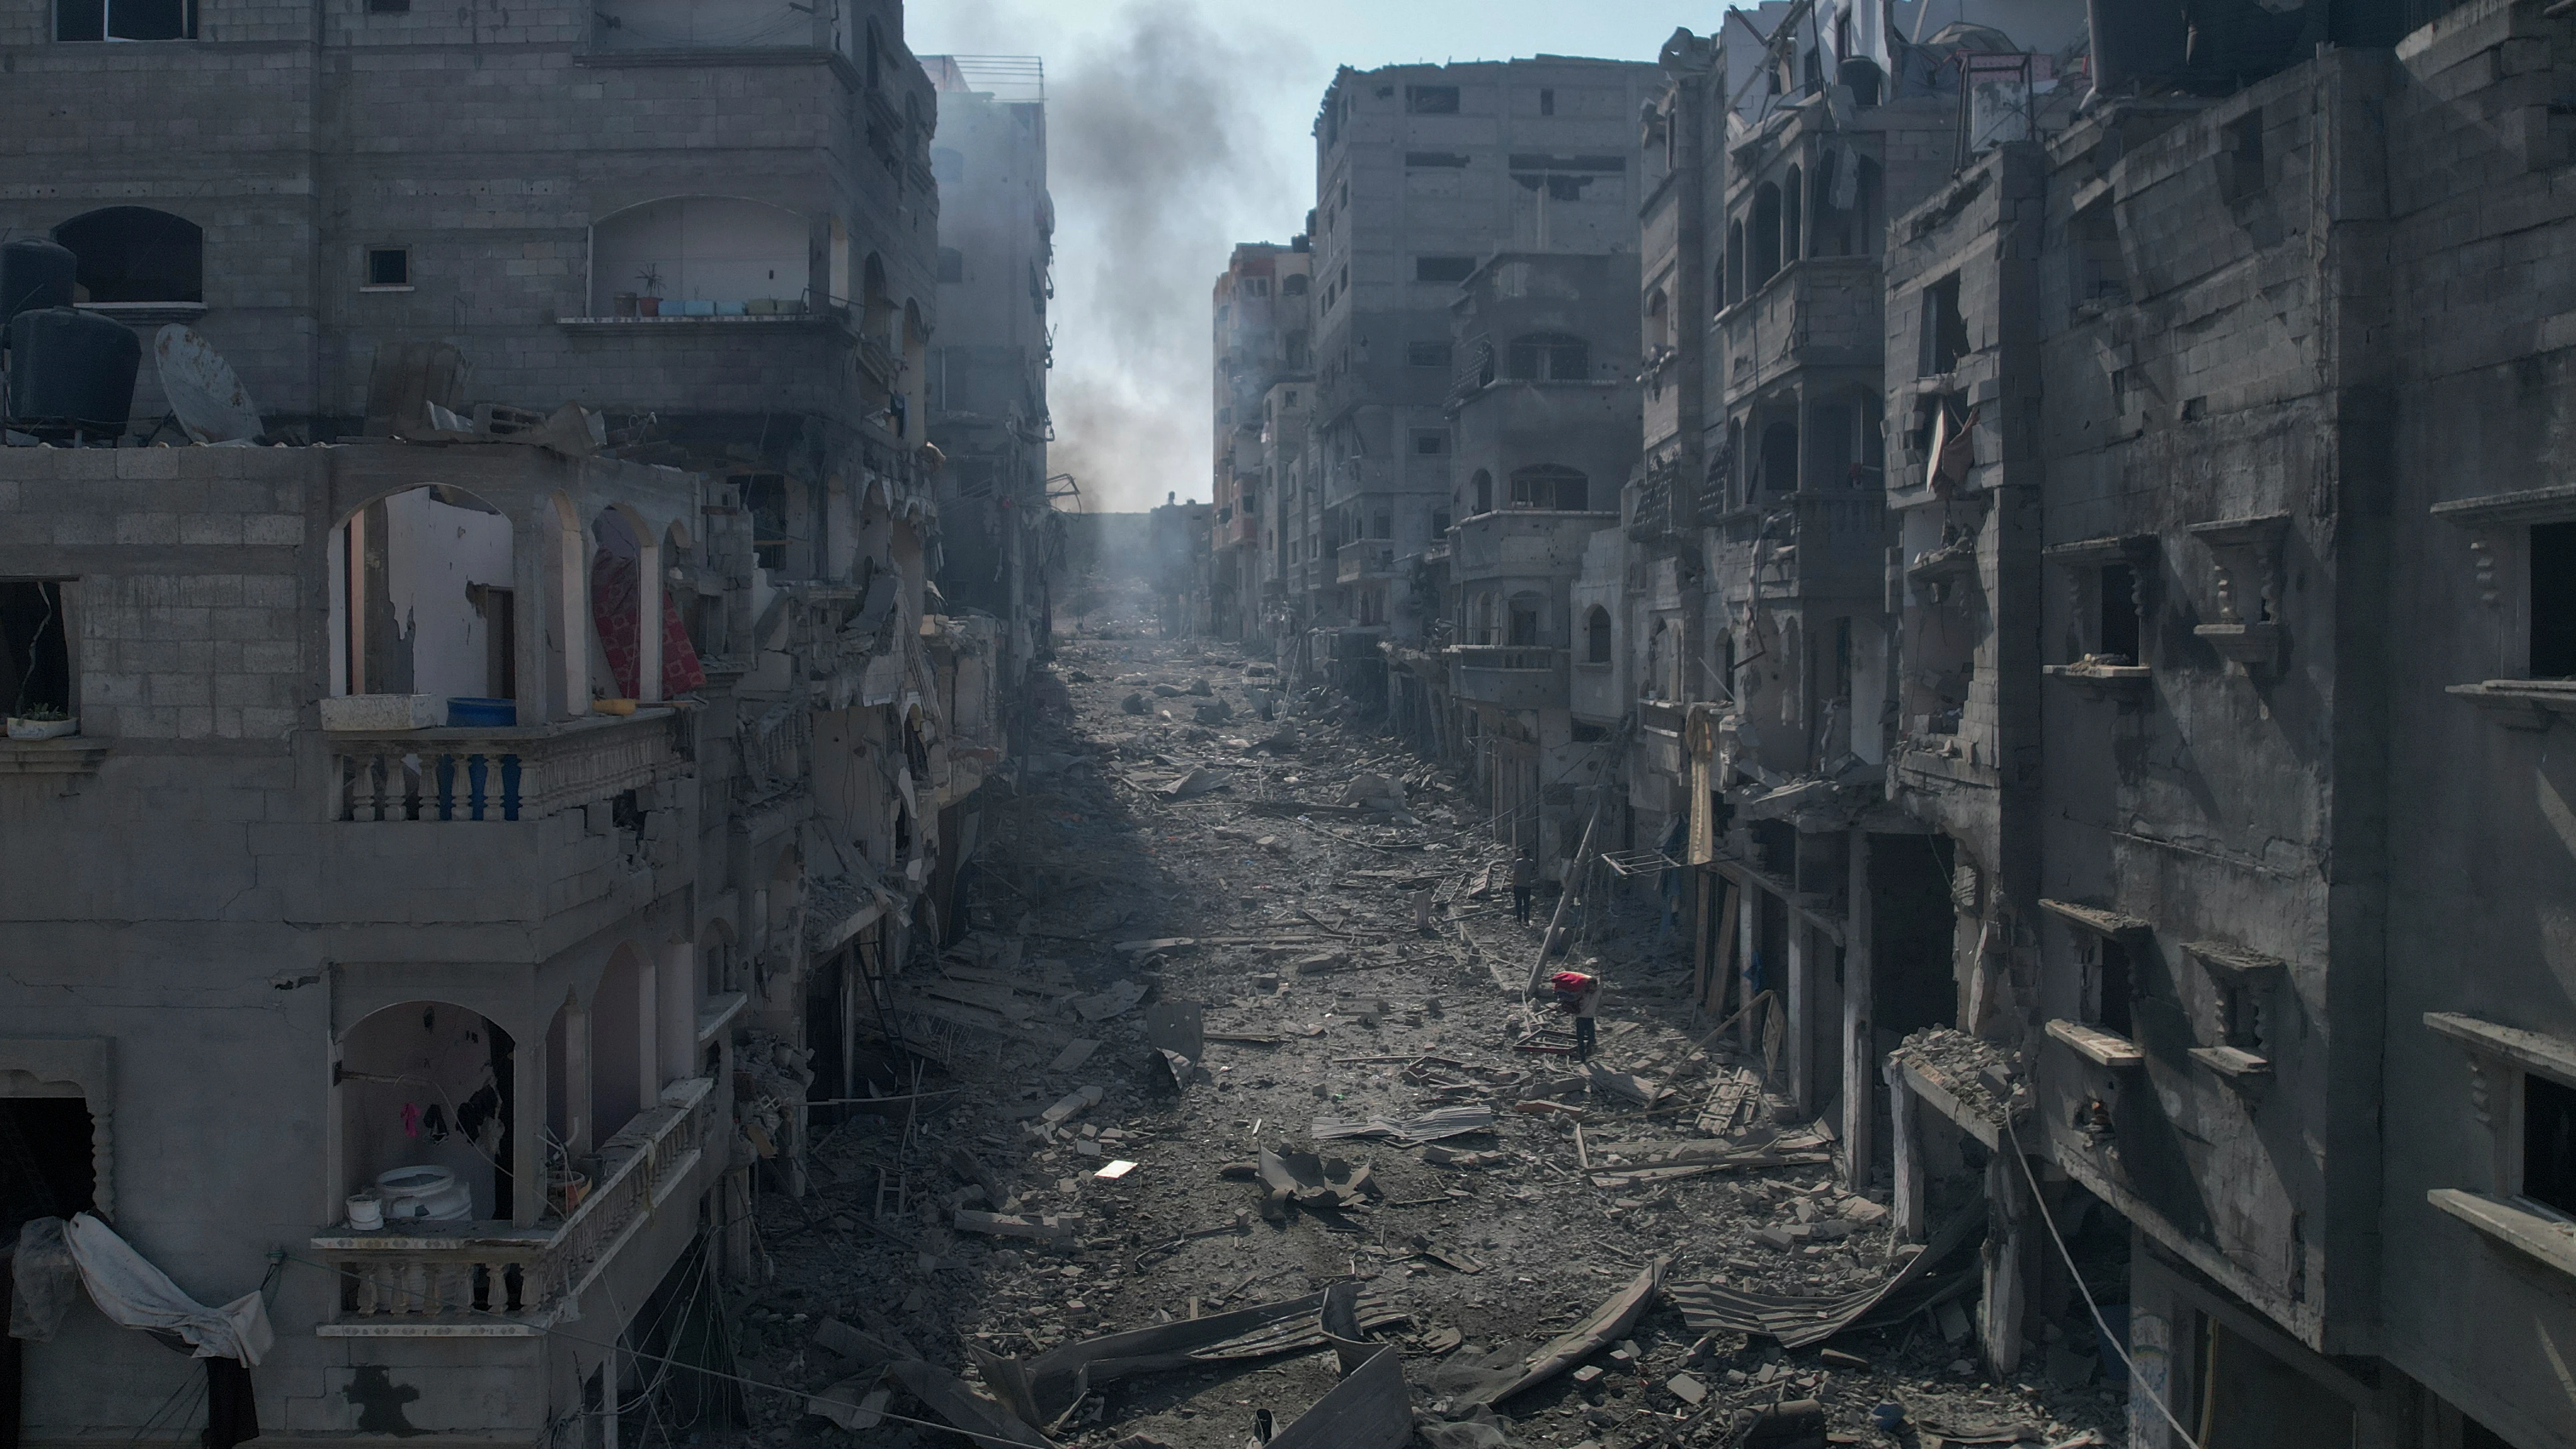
{"x": 1263, "y": 346}
{"x": 986, "y": 375}
{"x": 2083, "y": 629}
{"x": 1422, "y": 172}
{"x": 471, "y": 771}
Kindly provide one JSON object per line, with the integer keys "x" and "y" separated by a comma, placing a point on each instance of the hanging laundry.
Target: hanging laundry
{"x": 411, "y": 1119}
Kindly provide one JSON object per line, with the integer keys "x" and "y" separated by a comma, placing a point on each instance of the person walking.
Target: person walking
{"x": 1578, "y": 994}
{"x": 1524, "y": 880}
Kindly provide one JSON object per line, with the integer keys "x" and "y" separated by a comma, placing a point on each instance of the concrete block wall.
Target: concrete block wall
{"x": 487, "y": 143}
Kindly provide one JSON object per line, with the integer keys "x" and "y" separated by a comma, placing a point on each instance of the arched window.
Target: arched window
{"x": 1793, "y": 194}
{"x": 1659, "y": 329}
{"x": 136, "y": 254}
{"x": 1734, "y": 292}
{"x": 1596, "y": 636}
{"x": 1482, "y": 492}
{"x": 423, "y": 598}
{"x": 1550, "y": 485}
{"x": 1294, "y": 284}
{"x": 1780, "y": 458}
{"x": 1550, "y": 357}
{"x": 1523, "y": 617}
{"x": 1764, "y": 234}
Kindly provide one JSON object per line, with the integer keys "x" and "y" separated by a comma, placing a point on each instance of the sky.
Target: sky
{"x": 1176, "y": 128}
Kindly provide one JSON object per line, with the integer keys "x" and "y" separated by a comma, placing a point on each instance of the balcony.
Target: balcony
{"x": 1822, "y": 312}
{"x": 1508, "y": 676}
{"x": 525, "y": 773}
{"x": 495, "y": 1280}
{"x": 1534, "y": 543}
{"x": 1366, "y": 561}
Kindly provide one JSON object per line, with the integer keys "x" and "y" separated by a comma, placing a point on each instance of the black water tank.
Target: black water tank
{"x": 34, "y": 273}
{"x": 71, "y": 372}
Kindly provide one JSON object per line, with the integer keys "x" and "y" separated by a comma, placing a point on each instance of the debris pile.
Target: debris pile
{"x": 1235, "y": 1069}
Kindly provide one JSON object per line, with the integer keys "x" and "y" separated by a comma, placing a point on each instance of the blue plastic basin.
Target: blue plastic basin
{"x": 465, "y": 711}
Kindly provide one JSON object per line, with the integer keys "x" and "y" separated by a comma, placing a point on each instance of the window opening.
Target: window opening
{"x": 1546, "y": 101}
{"x": 1596, "y": 636}
{"x": 2240, "y": 158}
{"x": 765, "y": 494}
{"x": 47, "y": 1166}
{"x": 2549, "y": 1142}
{"x": 1521, "y": 630}
{"x": 1550, "y": 485}
{"x": 136, "y": 254}
{"x": 35, "y": 651}
{"x": 1765, "y": 236}
{"x": 1431, "y": 100}
{"x": 125, "y": 19}
{"x": 388, "y": 266}
{"x": 1440, "y": 269}
{"x": 1293, "y": 285}
{"x": 389, "y": 7}
{"x": 1482, "y": 492}
{"x": 1945, "y": 330}
{"x": 2553, "y": 601}
{"x": 1550, "y": 357}
{"x": 2119, "y": 616}
{"x": 2099, "y": 273}
{"x": 2112, "y": 987}
{"x": 1430, "y": 445}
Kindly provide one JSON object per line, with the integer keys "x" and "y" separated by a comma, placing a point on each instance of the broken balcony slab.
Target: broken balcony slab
{"x": 2101, "y": 1048}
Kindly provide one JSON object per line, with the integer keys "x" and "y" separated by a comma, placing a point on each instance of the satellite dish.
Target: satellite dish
{"x": 211, "y": 403}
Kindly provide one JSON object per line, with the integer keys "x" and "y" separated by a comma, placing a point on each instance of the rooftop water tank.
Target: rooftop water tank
{"x": 34, "y": 273}
{"x": 71, "y": 373}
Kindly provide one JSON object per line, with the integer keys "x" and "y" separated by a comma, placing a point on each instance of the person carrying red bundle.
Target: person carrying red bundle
{"x": 1578, "y": 994}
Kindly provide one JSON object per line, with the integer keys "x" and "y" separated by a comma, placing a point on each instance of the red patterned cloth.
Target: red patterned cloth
{"x": 616, "y": 594}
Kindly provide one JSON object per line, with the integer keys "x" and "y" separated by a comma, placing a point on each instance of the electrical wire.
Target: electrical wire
{"x": 2102, "y": 1325}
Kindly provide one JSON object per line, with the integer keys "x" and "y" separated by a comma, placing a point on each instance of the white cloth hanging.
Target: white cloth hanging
{"x": 134, "y": 1294}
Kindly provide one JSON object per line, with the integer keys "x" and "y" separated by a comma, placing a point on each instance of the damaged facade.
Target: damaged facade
{"x": 498, "y": 790}
{"x": 2078, "y": 638}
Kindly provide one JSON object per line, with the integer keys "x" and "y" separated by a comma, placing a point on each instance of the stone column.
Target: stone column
{"x": 1907, "y": 1128}
{"x": 1802, "y": 1007}
{"x": 1860, "y": 1039}
{"x": 677, "y": 997}
{"x": 2007, "y": 1234}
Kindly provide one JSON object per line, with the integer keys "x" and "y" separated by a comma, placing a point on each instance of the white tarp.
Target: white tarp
{"x": 134, "y": 1294}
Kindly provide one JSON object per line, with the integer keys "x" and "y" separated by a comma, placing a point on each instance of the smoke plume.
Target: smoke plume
{"x": 1159, "y": 162}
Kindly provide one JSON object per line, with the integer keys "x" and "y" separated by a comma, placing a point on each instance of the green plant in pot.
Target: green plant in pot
{"x": 650, "y": 303}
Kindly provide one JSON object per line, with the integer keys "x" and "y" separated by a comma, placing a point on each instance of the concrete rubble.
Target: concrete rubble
{"x": 1351, "y": 1128}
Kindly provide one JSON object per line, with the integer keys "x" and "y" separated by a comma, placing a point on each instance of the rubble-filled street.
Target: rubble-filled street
{"x": 1201, "y": 947}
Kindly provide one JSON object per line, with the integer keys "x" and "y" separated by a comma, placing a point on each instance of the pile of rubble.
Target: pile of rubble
{"x": 1237, "y": 1071}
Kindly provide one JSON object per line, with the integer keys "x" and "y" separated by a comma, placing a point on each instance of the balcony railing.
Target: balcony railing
{"x": 1510, "y": 676}
{"x": 490, "y": 1277}
{"x": 502, "y": 774}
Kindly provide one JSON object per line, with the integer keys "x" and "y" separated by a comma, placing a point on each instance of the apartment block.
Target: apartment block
{"x": 499, "y": 786}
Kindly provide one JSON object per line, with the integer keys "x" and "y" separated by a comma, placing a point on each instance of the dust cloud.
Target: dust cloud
{"x": 1160, "y": 158}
